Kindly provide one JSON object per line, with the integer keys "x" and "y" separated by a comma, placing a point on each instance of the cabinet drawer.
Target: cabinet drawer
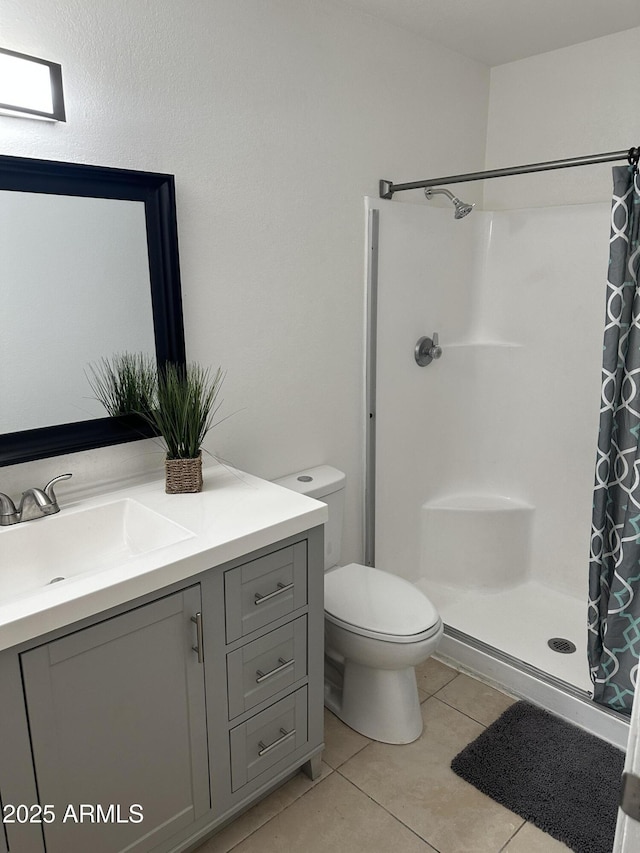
{"x": 269, "y": 664}
{"x": 265, "y": 589}
{"x": 268, "y": 737}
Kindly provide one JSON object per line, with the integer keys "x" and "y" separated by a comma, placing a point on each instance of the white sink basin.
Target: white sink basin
{"x": 68, "y": 544}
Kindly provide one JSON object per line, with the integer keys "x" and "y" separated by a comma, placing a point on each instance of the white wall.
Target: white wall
{"x": 277, "y": 117}
{"x": 566, "y": 103}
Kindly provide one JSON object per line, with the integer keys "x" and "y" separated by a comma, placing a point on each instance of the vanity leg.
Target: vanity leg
{"x": 313, "y": 767}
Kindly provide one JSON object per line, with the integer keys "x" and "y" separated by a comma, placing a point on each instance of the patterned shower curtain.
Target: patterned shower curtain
{"x": 614, "y": 572}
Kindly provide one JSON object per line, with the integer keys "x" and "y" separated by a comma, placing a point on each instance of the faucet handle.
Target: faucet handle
{"x": 8, "y": 511}
{"x": 436, "y": 350}
{"x": 427, "y": 349}
{"x": 48, "y": 489}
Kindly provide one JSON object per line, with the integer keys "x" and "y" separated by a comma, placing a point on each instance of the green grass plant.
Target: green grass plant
{"x": 185, "y": 406}
{"x": 125, "y": 384}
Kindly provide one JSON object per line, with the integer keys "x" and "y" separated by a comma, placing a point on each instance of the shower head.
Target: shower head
{"x": 462, "y": 208}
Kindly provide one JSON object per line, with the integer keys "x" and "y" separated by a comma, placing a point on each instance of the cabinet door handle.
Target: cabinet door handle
{"x": 260, "y": 599}
{"x": 263, "y": 676}
{"x": 285, "y": 735}
{"x": 197, "y": 619}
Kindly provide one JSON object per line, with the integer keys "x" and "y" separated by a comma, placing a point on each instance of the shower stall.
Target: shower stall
{"x": 480, "y": 462}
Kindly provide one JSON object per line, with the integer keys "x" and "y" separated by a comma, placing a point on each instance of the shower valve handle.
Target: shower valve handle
{"x": 436, "y": 349}
{"x": 427, "y": 349}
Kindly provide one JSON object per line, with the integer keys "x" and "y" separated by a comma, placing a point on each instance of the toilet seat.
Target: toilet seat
{"x": 387, "y": 638}
{"x": 377, "y": 604}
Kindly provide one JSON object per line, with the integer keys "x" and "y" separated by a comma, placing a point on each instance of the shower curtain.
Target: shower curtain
{"x": 614, "y": 572}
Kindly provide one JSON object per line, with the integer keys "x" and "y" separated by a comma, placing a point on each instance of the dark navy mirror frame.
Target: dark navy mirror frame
{"x": 157, "y": 191}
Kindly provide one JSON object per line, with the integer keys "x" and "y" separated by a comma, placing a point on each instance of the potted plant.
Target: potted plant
{"x": 178, "y": 401}
{"x": 185, "y": 406}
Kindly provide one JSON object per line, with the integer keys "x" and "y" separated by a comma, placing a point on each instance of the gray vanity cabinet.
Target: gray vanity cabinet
{"x": 191, "y": 702}
{"x": 117, "y": 717}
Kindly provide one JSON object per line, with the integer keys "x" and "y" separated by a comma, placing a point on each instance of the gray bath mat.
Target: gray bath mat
{"x": 562, "y": 779}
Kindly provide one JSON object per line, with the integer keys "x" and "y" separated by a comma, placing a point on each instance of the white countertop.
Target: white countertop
{"x": 235, "y": 513}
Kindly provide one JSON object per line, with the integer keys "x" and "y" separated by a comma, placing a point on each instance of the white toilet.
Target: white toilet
{"x": 378, "y": 627}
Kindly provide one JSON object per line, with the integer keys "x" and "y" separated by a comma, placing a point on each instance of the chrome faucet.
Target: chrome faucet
{"x": 34, "y": 503}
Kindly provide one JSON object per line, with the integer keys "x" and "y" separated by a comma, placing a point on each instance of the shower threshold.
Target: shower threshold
{"x": 525, "y": 681}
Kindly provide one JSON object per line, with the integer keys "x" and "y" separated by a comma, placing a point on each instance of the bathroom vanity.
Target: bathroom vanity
{"x": 172, "y": 678}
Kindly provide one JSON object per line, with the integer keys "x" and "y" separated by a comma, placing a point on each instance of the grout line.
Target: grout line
{"x": 506, "y": 844}
{"x": 279, "y": 812}
{"x": 454, "y": 675}
{"x": 395, "y": 817}
{"x": 468, "y": 716}
{"x": 357, "y": 752}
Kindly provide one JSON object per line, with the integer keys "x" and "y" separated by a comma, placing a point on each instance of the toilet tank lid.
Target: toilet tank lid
{"x": 314, "y": 482}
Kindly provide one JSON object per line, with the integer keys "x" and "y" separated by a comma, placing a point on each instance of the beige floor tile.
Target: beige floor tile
{"x": 340, "y": 742}
{"x": 432, "y": 675}
{"x": 262, "y": 812}
{"x": 333, "y": 818}
{"x": 416, "y": 784}
{"x": 477, "y": 700}
{"x": 530, "y": 839}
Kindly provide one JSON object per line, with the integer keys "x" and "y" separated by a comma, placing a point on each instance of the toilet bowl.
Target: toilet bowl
{"x": 378, "y": 627}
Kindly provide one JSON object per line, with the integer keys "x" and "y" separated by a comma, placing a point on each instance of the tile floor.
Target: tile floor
{"x": 376, "y": 798}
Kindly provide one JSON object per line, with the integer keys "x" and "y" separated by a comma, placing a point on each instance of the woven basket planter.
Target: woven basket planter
{"x": 183, "y": 475}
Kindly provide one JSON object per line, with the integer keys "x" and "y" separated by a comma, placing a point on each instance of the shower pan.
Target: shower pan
{"x": 480, "y": 468}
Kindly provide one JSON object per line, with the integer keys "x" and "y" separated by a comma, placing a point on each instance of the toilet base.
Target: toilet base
{"x": 382, "y": 704}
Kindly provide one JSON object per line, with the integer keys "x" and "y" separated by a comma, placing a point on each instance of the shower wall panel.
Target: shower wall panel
{"x": 425, "y": 285}
{"x": 511, "y": 408}
{"x": 544, "y": 287}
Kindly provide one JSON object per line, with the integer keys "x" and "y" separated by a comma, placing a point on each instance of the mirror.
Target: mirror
{"x": 90, "y": 269}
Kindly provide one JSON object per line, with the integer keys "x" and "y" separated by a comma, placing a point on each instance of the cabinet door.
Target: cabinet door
{"x": 117, "y": 719}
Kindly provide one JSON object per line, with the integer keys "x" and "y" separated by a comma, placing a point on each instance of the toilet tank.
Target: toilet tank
{"x": 325, "y": 484}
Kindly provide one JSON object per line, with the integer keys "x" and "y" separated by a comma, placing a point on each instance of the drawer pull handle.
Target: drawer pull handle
{"x": 285, "y": 735}
{"x": 197, "y": 619}
{"x": 260, "y": 599}
{"x": 263, "y": 676}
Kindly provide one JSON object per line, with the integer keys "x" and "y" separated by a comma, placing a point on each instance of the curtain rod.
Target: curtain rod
{"x": 387, "y": 188}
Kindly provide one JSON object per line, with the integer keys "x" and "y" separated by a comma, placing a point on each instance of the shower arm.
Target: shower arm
{"x": 429, "y": 191}
{"x": 632, "y": 155}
